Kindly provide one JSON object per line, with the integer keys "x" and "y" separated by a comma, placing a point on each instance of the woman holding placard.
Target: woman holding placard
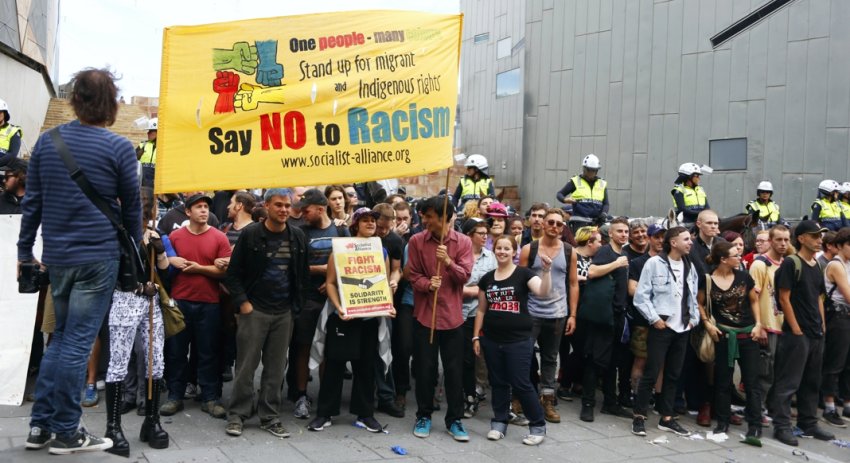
{"x": 349, "y": 339}
{"x": 503, "y": 333}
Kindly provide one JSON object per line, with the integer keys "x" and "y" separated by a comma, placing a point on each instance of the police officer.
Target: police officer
{"x": 587, "y": 193}
{"x": 146, "y": 154}
{"x": 763, "y": 206}
{"x": 476, "y": 183}
{"x": 689, "y": 198}
{"x": 10, "y": 136}
{"x": 826, "y": 209}
{"x": 844, "y": 200}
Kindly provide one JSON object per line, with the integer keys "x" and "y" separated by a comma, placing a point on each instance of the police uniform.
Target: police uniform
{"x": 694, "y": 201}
{"x": 7, "y": 133}
{"x": 590, "y": 200}
{"x": 828, "y": 214}
{"x": 147, "y": 161}
{"x": 768, "y": 213}
{"x": 470, "y": 188}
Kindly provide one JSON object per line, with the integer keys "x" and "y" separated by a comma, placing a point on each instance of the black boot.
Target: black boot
{"x": 114, "y": 401}
{"x": 152, "y": 431}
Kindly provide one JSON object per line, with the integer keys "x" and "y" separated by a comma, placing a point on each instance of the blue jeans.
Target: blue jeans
{"x": 508, "y": 365}
{"x": 82, "y": 295}
{"x": 203, "y": 322}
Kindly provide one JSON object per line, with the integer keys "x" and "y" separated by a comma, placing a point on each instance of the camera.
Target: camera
{"x": 32, "y": 278}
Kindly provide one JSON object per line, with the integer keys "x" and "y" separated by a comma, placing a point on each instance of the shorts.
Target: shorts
{"x": 638, "y": 342}
{"x": 306, "y": 321}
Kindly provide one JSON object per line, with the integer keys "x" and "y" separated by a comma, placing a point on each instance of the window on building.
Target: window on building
{"x": 480, "y": 38}
{"x": 507, "y": 83}
{"x": 503, "y": 48}
{"x": 728, "y": 154}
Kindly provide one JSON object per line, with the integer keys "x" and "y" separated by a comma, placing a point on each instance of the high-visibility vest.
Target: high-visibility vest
{"x": 588, "y": 199}
{"x": 6, "y": 135}
{"x": 471, "y": 189}
{"x": 830, "y": 214}
{"x": 148, "y": 152}
{"x": 767, "y": 212}
{"x": 695, "y": 198}
{"x": 585, "y": 193}
{"x": 844, "y": 206}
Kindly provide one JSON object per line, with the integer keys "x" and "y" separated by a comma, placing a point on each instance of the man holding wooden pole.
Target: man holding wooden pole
{"x": 440, "y": 261}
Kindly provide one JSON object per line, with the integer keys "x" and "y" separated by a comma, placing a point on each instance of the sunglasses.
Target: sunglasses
{"x": 555, "y": 223}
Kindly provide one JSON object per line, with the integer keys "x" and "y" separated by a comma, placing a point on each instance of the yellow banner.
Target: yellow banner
{"x": 361, "y": 274}
{"x": 307, "y": 100}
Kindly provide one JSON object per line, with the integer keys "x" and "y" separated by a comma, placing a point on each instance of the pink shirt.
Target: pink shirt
{"x": 422, "y": 264}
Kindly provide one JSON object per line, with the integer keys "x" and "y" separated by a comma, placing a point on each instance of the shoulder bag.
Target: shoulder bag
{"x": 700, "y": 339}
{"x": 130, "y": 268}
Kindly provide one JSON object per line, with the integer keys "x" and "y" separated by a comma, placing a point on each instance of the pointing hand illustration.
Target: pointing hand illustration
{"x": 250, "y": 96}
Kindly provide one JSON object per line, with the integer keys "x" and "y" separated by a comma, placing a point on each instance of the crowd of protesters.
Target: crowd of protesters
{"x": 527, "y": 310}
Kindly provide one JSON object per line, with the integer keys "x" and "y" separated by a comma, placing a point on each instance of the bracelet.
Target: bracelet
{"x": 476, "y": 338}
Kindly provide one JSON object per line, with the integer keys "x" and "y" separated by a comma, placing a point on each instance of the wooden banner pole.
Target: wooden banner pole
{"x": 439, "y": 262}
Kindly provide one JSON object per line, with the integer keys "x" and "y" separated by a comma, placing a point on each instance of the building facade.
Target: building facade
{"x": 29, "y": 31}
{"x": 640, "y": 84}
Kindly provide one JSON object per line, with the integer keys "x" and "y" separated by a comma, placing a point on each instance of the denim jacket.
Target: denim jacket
{"x": 655, "y": 295}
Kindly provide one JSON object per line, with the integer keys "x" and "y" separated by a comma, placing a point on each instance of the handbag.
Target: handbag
{"x": 700, "y": 339}
{"x": 596, "y": 301}
{"x": 130, "y": 267}
{"x": 172, "y": 317}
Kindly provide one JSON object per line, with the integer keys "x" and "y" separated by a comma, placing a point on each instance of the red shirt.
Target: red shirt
{"x": 203, "y": 249}
{"x": 422, "y": 262}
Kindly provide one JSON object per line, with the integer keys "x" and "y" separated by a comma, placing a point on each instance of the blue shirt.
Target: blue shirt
{"x": 74, "y": 231}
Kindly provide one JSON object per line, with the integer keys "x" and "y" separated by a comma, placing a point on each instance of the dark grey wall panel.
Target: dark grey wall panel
{"x": 638, "y": 83}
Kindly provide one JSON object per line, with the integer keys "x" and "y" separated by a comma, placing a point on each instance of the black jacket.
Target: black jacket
{"x": 9, "y": 203}
{"x": 249, "y": 262}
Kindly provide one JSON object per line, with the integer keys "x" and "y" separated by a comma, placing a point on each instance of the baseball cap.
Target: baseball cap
{"x": 470, "y": 224}
{"x": 198, "y": 197}
{"x": 808, "y": 226}
{"x": 655, "y": 229}
{"x": 16, "y": 165}
{"x": 311, "y": 197}
{"x": 360, "y": 213}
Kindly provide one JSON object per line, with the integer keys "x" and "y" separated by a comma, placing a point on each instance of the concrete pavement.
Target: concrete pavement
{"x": 196, "y": 437}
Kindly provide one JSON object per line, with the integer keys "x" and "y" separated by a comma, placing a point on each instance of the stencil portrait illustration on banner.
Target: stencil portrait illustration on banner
{"x": 303, "y": 100}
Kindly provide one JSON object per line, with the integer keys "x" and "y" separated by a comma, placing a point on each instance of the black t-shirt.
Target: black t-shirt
{"x": 394, "y": 245}
{"x": 507, "y": 318}
{"x": 271, "y": 295}
{"x": 582, "y": 266}
{"x": 804, "y": 295}
{"x": 319, "y": 247}
{"x": 630, "y": 253}
{"x": 635, "y": 268}
{"x": 606, "y": 255}
{"x": 731, "y": 307}
{"x": 296, "y": 222}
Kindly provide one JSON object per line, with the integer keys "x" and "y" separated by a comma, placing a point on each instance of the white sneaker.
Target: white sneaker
{"x": 495, "y": 435}
{"x": 532, "y": 439}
